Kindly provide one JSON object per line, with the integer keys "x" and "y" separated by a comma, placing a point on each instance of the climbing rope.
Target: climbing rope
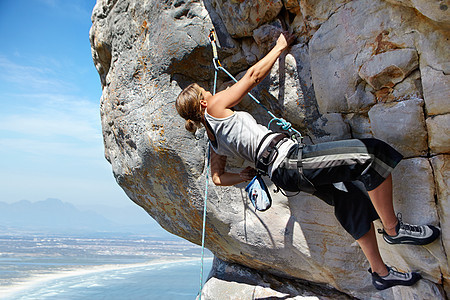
{"x": 208, "y": 157}
{"x": 204, "y": 222}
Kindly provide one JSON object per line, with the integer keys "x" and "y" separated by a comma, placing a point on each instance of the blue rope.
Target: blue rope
{"x": 284, "y": 125}
{"x": 208, "y": 151}
{"x": 204, "y": 222}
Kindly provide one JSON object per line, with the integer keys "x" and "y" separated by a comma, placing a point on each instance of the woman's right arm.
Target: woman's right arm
{"x": 254, "y": 75}
{"x": 221, "y": 177}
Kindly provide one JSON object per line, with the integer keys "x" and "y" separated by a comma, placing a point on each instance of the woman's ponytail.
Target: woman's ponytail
{"x": 191, "y": 126}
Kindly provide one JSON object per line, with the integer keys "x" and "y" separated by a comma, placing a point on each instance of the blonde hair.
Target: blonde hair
{"x": 189, "y": 108}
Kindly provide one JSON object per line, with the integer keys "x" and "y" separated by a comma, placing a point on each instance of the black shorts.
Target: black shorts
{"x": 361, "y": 166}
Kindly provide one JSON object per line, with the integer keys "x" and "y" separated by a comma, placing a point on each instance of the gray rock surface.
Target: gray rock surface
{"x": 231, "y": 281}
{"x": 435, "y": 10}
{"x": 242, "y": 17}
{"x": 335, "y": 83}
{"x": 438, "y": 129}
{"x": 402, "y": 125}
{"x": 440, "y": 164}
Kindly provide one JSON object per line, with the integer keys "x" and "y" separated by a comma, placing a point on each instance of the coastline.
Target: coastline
{"x": 36, "y": 280}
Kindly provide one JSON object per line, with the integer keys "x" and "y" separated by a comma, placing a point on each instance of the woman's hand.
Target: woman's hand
{"x": 247, "y": 174}
{"x": 285, "y": 40}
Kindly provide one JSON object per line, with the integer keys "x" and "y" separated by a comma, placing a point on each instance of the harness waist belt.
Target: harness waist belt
{"x": 270, "y": 152}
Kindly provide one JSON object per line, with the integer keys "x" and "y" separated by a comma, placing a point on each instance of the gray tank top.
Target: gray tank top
{"x": 237, "y": 135}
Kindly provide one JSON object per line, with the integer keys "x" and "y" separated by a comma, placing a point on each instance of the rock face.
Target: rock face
{"x": 359, "y": 68}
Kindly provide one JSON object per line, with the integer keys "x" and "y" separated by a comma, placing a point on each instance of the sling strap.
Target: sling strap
{"x": 270, "y": 152}
{"x": 296, "y": 163}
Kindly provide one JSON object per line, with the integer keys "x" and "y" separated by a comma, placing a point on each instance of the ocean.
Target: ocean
{"x": 86, "y": 267}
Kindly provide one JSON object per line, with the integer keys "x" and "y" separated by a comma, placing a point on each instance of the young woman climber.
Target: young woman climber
{"x": 352, "y": 175}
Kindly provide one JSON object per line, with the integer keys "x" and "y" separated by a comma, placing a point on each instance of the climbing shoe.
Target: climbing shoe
{"x": 411, "y": 234}
{"x": 393, "y": 278}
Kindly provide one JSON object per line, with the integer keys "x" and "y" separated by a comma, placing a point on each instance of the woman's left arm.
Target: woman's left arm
{"x": 220, "y": 177}
{"x": 228, "y": 98}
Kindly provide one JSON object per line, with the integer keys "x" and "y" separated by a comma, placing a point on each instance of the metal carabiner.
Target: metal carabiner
{"x": 212, "y": 35}
{"x": 213, "y": 40}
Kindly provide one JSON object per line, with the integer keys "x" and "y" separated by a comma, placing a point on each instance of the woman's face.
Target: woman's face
{"x": 206, "y": 94}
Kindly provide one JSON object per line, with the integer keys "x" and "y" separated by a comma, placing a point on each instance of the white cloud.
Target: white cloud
{"x": 41, "y": 112}
{"x": 46, "y": 148}
{"x": 38, "y": 78}
{"x": 68, "y": 8}
{"x": 58, "y": 116}
{"x": 50, "y": 130}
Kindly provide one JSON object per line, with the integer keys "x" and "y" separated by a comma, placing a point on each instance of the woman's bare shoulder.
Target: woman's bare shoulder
{"x": 216, "y": 107}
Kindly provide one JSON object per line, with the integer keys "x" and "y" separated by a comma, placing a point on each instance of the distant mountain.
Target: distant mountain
{"x": 129, "y": 214}
{"x": 54, "y": 215}
{"x": 50, "y": 213}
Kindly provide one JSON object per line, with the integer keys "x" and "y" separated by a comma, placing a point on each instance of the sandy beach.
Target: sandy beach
{"x": 40, "y": 280}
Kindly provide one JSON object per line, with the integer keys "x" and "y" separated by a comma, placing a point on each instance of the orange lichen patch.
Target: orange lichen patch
{"x": 162, "y": 133}
{"x": 144, "y": 27}
{"x": 137, "y": 75}
{"x": 384, "y": 94}
{"x": 104, "y": 54}
{"x": 383, "y": 45}
{"x": 133, "y": 184}
{"x": 385, "y": 78}
{"x": 167, "y": 168}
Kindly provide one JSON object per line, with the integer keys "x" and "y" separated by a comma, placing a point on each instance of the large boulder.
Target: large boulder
{"x": 359, "y": 69}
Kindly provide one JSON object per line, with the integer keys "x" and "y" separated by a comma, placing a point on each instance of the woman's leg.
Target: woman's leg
{"x": 397, "y": 232}
{"x": 356, "y": 213}
{"x": 369, "y": 246}
{"x": 381, "y": 198}
{"x": 369, "y": 160}
{"x": 383, "y": 277}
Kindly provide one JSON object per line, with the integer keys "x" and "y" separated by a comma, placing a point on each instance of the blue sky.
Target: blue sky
{"x": 50, "y": 133}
